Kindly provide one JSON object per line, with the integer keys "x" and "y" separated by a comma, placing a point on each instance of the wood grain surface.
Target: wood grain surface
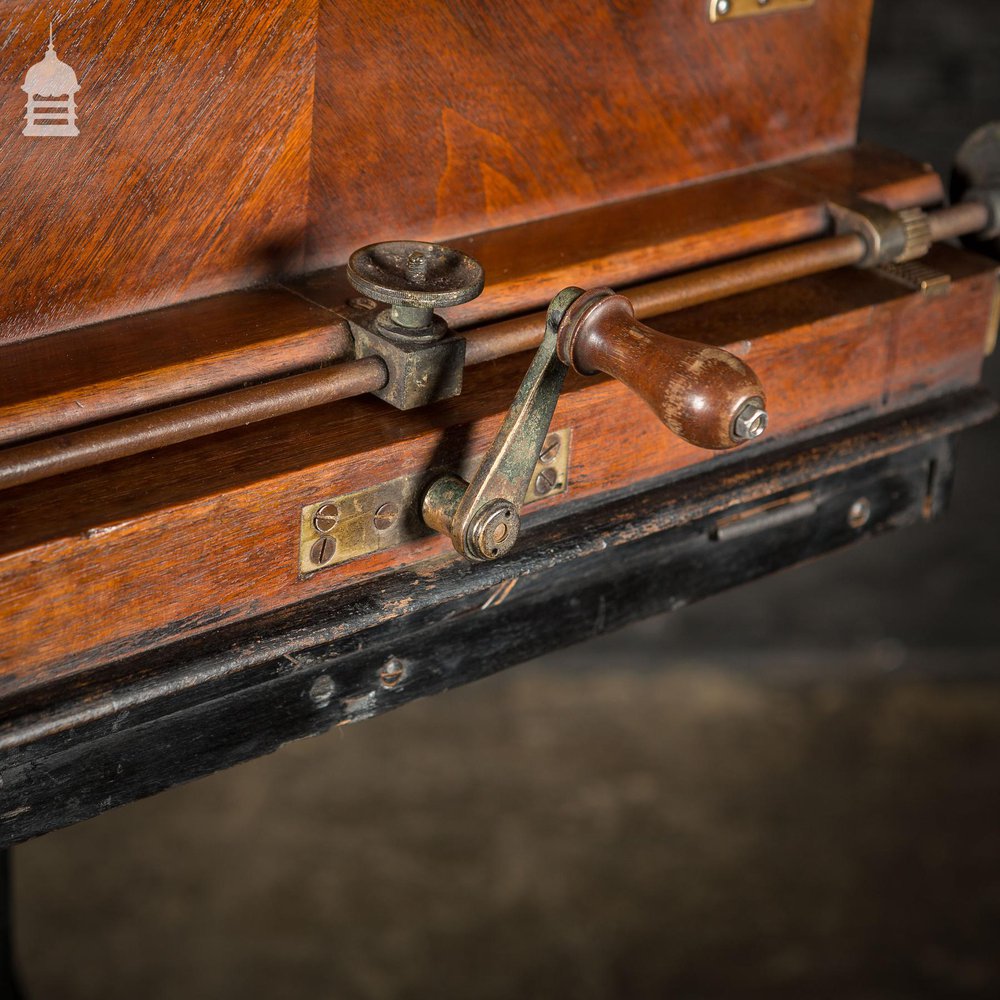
{"x": 109, "y": 561}
{"x": 156, "y": 358}
{"x": 453, "y": 117}
{"x": 201, "y": 166}
{"x": 190, "y": 172}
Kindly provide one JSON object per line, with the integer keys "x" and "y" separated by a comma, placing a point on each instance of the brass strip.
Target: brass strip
{"x": 728, "y": 10}
{"x": 993, "y": 324}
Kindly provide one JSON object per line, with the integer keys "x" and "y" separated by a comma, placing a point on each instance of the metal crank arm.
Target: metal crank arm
{"x": 705, "y": 395}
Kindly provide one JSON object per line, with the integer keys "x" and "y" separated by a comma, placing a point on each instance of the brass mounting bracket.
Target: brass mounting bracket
{"x": 421, "y": 370}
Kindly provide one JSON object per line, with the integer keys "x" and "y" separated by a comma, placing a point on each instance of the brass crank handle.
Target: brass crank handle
{"x": 703, "y": 394}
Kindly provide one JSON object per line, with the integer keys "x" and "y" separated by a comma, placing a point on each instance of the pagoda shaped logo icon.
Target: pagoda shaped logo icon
{"x": 51, "y": 87}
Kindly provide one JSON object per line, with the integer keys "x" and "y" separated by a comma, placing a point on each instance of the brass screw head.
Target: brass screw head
{"x": 391, "y": 672}
{"x": 323, "y": 550}
{"x": 321, "y": 691}
{"x": 859, "y": 513}
{"x": 550, "y": 450}
{"x": 325, "y": 519}
{"x": 751, "y": 421}
{"x": 493, "y": 531}
{"x": 545, "y": 481}
{"x": 385, "y": 516}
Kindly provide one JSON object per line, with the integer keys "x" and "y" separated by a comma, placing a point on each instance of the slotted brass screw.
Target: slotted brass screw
{"x": 323, "y": 550}
{"x": 321, "y": 691}
{"x": 545, "y": 481}
{"x": 325, "y": 519}
{"x": 385, "y": 516}
{"x": 860, "y": 513}
{"x": 392, "y": 672}
{"x": 550, "y": 450}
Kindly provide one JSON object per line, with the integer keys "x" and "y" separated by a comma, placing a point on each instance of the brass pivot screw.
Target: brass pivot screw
{"x": 494, "y": 530}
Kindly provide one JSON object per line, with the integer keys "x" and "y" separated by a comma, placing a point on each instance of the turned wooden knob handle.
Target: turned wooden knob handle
{"x": 705, "y": 395}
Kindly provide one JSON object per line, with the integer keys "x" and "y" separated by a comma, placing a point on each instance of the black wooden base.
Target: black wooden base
{"x": 196, "y": 707}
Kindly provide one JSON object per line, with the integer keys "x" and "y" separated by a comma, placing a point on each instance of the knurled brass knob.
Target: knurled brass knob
{"x": 975, "y": 177}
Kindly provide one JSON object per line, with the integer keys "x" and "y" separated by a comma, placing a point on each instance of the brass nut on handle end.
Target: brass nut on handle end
{"x": 751, "y": 421}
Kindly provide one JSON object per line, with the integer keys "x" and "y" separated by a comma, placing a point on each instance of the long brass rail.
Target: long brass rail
{"x": 132, "y": 435}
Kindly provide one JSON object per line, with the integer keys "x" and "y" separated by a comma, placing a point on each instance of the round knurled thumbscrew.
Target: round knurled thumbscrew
{"x": 975, "y": 176}
{"x": 414, "y": 279}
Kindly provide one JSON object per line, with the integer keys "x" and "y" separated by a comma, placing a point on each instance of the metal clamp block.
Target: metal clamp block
{"x": 421, "y": 371}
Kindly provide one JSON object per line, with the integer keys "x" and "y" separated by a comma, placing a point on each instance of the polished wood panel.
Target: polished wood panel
{"x": 452, "y": 117}
{"x": 190, "y": 172}
{"x": 113, "y": 560}
{"x": 884, "y": 175}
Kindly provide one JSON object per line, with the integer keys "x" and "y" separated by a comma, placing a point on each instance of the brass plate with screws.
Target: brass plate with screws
{"x": 552, "y": 468}
{"x": 338, "y": 529}
{"x": 343, "y": 528}
{"x": 729, "y": 10}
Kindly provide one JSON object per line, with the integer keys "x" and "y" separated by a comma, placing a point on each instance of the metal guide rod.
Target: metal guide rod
{"x": 74, "y": 450}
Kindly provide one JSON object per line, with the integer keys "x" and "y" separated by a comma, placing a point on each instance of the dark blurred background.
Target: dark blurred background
{"x": 792, "y": 789}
